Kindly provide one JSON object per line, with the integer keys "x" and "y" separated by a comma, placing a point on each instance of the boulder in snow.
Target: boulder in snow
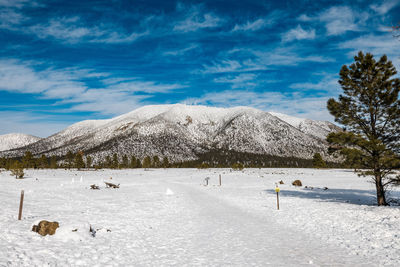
{"x": 46, "y": 228}
{"x": 297, "y": 183}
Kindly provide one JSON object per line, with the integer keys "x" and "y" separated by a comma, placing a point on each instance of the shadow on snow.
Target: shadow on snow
{"x": 351, "y": 196}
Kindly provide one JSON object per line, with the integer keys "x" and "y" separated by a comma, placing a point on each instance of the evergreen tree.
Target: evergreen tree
{"x": 115, "y": 162}
{"x": 78, "y": 162}
{"x": 17, "y": 170}
{"x": 89, "y": 161}
{"x": 156, "y": 162}
{"x": 370, "y": 110}
{"x": 69, "y": 158}
{"x": 28, "y": 160}
{"x": 147, "y": 162}
{"x": 318, "y": 162}
{"x": 165, "y": 162}
{"x": 133, "y": 163}
{"x": 43, "y": 162}
{"x": 3, "y": 162}
{"x": 125, "y": 162}
{"x": 108, "y": 163}
{"x": 138, "y": 163}
{"x": 53, "y": 162}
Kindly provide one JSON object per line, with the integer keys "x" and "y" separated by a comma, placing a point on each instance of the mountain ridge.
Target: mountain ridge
{"x": 182, "y": 132}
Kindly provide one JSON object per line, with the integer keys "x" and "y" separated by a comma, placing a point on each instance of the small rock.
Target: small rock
{"x": 297, "y": 183}
{"x": 281, "y": 182}
{"x": 46, "y": 228}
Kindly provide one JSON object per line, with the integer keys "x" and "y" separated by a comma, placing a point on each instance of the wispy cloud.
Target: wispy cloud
{"x": 376, "y": 44}
{"x": 226, "y": 66}
{"x": 385, "y": 6}
{"x": 292, "y": 104}
{"x": 31, "y": 123}
{"x": 10, "y": 13}
{"x": 180, "y": 52}
{"x": 73, "y": 30}
{"x": 298, "y": 33}
{"x": 338, "y": 19}
{"x": 243, "y": 80}
{"x": 66, "y": 86}
{"x": 196, "y": 19}
{"x": 328, "y": 83}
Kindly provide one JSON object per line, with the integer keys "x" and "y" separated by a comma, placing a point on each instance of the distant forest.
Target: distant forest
{"x": 212, "y": 159}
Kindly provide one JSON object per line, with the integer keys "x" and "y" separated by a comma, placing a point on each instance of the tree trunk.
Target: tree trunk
{"x": 380, "y": 190}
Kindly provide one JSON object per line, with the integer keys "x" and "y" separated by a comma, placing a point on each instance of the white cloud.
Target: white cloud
{"x": 384, "y": 6}
{"x": 180, "y": 52}
{"x": 291, "y": 104}
{"x": 233, "y": 66}
{"x": 19, "y": 77}
{"x": 375, "y": 44}
{"x": 196, "y": 19}
{"x": 328, "y": 83}
{"x": 73, "y": 30}
{"x": 243, "y": 80}
{"x": 339, "y": 19}
{"x": 65, "y": 85}
{"x": 287, "y": 56}
{"x": 251, "y": 26}
{"x": 298, "y": 33}
{"x": 30, "y": 123}
{"x": 305, "y": 18}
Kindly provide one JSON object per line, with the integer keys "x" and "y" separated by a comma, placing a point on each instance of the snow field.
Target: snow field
{"x": 164, "y": 217}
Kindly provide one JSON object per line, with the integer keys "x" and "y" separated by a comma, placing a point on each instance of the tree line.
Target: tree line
{"x": 212, "y": 159}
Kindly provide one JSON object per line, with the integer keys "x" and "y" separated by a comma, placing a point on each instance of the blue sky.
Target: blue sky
{"x": 66, "y": 61}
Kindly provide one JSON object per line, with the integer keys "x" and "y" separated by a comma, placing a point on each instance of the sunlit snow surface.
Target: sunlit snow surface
{"x": 143, "y": 224}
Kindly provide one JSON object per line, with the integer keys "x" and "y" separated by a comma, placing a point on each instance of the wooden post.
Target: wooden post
{"x": 220, "y": 181}
{"x": 277, "y": 196}
{"x": 277, "y": 199}
{"x": 21, "y": 203}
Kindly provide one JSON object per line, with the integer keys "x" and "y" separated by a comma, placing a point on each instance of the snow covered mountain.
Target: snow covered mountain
{"x": 182, "y": 132}
{"x": 16, "y": 140}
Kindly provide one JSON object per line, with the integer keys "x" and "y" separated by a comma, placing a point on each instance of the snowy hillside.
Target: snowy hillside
{"x": 319, "y": 129}
{"x": 16, "y": 140}
{"x": 181, "y": 132}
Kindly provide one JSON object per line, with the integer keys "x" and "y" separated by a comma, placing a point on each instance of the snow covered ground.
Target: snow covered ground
{"x": 168, "y": 217}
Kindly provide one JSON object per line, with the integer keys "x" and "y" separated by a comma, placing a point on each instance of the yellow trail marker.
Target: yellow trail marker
{"x": 277, "y": 190}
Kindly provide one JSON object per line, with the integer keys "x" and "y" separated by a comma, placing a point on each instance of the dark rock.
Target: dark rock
{"x": 46, "y": 228}
{"x": 297, "y": 183}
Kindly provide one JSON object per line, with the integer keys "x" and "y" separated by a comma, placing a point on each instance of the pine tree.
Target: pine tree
{"x": 28, "y": 160}
{"x": 115, "y": 162}
{"x": 69, "y": 158}
{"x": 370, "y": 110}
{"x": 53, "y": 162}
{"x": 89, "y": 162}
{"x": 156, "y": 162}
{"x": 108, "y": 163}
{"x": 133, "y": 163}
{"x": 165, "y": 162}
{"x": 43, "y": 162}
{"x": 17, "y": 169}
{"x": 125, "y": 162}
{"x": 147, "y": 162}
{"x": 78, "y": 162}
{"x": 318, "y": 162}
{"x": 138, "y": 163}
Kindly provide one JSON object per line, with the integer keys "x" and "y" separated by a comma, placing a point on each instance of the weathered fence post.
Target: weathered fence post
{"x": 277, "y": 196}
{"x": 220, "y": 180}
{"x": 21, "y": 203}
